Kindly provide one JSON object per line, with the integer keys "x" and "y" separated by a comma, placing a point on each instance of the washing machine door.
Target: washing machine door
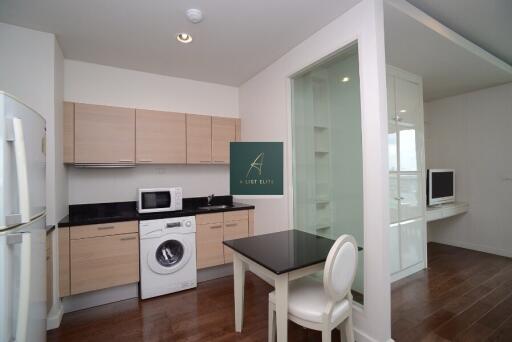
{"x": 170, "y": 254}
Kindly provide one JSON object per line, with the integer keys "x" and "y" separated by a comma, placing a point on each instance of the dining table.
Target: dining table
{"x": 279, "y": 258}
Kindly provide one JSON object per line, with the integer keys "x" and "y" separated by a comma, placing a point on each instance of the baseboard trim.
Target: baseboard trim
{"x": 477, "y": 247}
{"x": 55, "y": 316}
{"x": 407, "y": 272}
{"x": 361, "y": 336}
{"x": 214, "y": 272}
{"x": 100, "y": 297}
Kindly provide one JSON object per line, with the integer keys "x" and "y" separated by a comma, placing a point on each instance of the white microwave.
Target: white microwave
{"x": 159, "y": 199}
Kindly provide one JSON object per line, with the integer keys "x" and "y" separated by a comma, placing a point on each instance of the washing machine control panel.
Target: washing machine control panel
{"x": 159, "y": 227}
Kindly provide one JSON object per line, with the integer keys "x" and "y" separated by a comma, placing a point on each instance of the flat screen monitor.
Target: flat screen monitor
{"x": 440, "y": 186}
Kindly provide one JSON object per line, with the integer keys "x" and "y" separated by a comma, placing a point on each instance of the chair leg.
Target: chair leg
{"x": 326, "y": 335}
{"x": 349, "y": 333}
{"x": 271, "y": 323}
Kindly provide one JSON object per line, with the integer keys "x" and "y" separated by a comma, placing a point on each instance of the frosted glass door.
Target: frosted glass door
{"x": 411, "y": 204}
{"x": 411, "y": 243}
{"x": 410, "y": 149}
{"x": 407, "y": 102}
{"x": 394, "y": 200}
{"x": 394, "y": 247}
{"x": 392, "y": 147}
{"x": 327, "y": 152}
{"x": 407, "y": 109}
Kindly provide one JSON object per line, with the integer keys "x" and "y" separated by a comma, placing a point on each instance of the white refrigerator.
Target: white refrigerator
{"x": 22, "y": 222}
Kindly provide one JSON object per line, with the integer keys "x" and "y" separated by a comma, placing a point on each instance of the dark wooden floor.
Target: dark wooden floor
{"x": 464, "y": 296}
{"x": 204, "y": 314}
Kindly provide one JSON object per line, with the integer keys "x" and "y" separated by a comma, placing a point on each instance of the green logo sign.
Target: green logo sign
{"x": 256, "y": 168}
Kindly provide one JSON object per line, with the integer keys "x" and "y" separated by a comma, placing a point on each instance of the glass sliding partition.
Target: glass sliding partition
{"x": 327, "y": 151}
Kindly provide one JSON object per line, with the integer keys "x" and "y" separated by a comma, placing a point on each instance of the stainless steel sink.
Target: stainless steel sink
{"x": 215, "y": 207}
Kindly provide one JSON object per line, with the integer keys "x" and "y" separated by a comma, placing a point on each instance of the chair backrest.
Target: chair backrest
{"x": 340, "y": 267}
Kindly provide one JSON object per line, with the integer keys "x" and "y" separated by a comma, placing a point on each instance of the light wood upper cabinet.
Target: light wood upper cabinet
{"x": 160, "y": 137}
{"x": 238, "y": 134}
{"x": 223, "y": 132}
{"x": 69, "y": 132}
{"x": 199, "y": 139}
{"x": 104, "y": 135}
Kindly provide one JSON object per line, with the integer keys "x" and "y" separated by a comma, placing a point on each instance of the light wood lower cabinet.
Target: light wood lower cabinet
{"x": 64, "y": 274}
{"x": 209, "y": 247}
{"x": 49, "y": 271}
{"x": 94, "y": 257}
{"x": 103, "y": 229}
{"x": 102, "y": 262}
{"x": 213, "y": 229}
{"x": 234, "y": 230}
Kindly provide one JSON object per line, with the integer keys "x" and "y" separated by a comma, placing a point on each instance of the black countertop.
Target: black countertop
{"x": 96, "y": 213}
{"x": 284, "y": 251}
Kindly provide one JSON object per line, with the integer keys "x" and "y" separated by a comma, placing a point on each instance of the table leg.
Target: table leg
{"x": 239, "y": 277}
{"x": 282, "y": 307}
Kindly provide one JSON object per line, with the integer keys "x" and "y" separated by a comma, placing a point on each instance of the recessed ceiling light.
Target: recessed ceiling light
{"x": 184, "y": 37}
{"x": 403, "y": 110}
{"x": 345, "y": 79}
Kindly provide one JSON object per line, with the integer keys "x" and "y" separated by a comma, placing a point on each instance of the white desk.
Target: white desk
{"x": 442, "y": 211}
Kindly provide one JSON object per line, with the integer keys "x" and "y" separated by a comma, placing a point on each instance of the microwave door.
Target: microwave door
{"x": 160, "y": 200}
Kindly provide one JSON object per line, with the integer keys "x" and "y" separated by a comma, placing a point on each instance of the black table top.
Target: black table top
{"x": 284, "y": 251}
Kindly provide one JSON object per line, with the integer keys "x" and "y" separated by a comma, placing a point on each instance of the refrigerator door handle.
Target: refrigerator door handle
{"x": 21, "y": 169}
{"x": 24, "y": 290}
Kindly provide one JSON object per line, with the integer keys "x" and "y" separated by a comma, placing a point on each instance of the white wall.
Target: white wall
{"x": 471, "y": 133}
{"x": 98, "y": 84}
{"x": 265, "y": 112}
{"x": 31, "y": 69}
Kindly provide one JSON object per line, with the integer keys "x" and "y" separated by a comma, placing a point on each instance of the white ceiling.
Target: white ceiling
{"x": 487, "y": 23}
{"x": 236, "y": 40}
{"x": 449, "y": 64}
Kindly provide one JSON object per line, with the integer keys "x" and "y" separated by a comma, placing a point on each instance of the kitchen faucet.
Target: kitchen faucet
{"x": 210, "y": 198}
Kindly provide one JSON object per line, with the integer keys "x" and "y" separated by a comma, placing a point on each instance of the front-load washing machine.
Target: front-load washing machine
{"x": 167, "y": 255}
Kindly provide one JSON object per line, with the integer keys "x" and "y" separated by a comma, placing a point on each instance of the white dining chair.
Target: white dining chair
{"x": 323, "y": 305}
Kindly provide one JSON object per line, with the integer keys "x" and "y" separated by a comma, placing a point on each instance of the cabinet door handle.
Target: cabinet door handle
{"x": 128, "y": 238}
{"x": 106, "y": 227}
{"x": 126, "y": 160}
{"x": 145, "y": 160}
{"x": 219, "y": 161}
{"x": 399, "y": 198}
{"x": 231, "y": 224}
{"x": 205, "y": 161}
{"x": 216, "y": 227}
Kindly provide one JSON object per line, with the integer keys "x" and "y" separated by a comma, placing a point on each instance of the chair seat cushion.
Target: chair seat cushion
{"x": 307, "y": 300}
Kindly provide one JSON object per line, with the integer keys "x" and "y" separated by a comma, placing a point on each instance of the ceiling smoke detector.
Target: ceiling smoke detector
{"x": 194, "y": 15}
